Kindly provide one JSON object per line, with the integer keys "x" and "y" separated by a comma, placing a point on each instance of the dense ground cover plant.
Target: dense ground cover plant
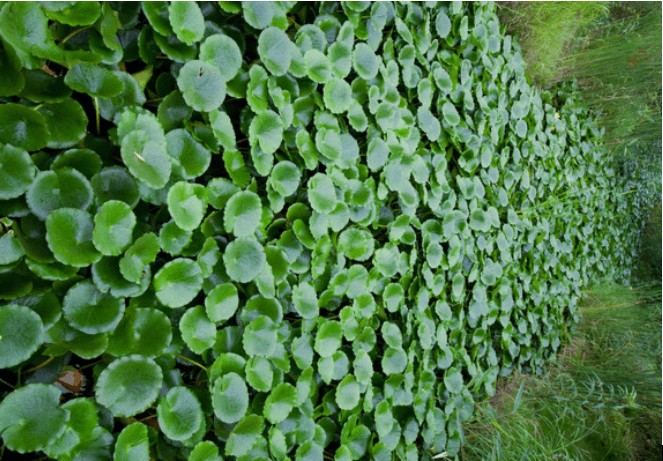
{"x": 270, "y": 230}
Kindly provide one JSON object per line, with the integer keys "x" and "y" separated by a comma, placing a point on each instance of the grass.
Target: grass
{"x": 612, "y": 48}
{"x": 601, "y": 399}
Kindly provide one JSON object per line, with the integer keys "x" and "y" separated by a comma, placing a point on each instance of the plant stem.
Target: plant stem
{"x": 64, "y": 40}
{"x": 96, "y": 113}
{"x": 5, "y": 382}
{"x": 191, "y": 361}
{"x": 46, "y": 362}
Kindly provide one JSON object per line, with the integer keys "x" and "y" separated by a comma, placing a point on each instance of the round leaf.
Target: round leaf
{"x": 187, "y": 21}
{"x": 129, "y": 385}
{"x": 223, "y": 52}
{"x": 328, "y": 338}
{"x": 91, "y": 311}
{"x": 93, "y": 80}
{"x": 66, "y": 122}
{"x": 198, "y": 332}
{"x": 242, "y": 214}
{"x": 62, "y": 188}
{"x": 274, "y": 50}
{"x": 113, "y": 227}
{"x": 365, "y": 61}
{"x": 21, "y": 334}
{"x": 147, "y": 160}
{"x": 337, "y": 95}
{"x": 306, "y": 300}
{"x": 321, "y": 193}
{"x": 69, "y": 236}
{"x": 280, "y": 402}
{"x": 205, "y": 451}
{"x": 179, "y": 413}
{"x": 178, "y": 282}
{"x": 132, "y": 444}
{"x": 260, "y": 337}
{"x": 192, "y": 156}
{"x": 230, "y": 398}
{"x": 450, "y": 114}
{"x": 285, "y": 178}
{"x": 31, "y": 419}
{"x": 16, "y": 171}
{"x": 356, "y": 244}
{"x": 202, "y": 85}
{"x": 187, "y": 204}
{"x": 244, "y": 258}
{"x": 348, "y": 393}
{"x": 23, "y": 127}
{"x": 222, "y": 302}
{"x": 266, "y": 129}
{"x": 259, "y": 373}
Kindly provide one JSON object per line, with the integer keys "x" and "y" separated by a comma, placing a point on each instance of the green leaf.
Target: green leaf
{"x": 17, "y": 171}
{"x": 392, "y": 334}
{"x": 25, "y": 27}
{"x": 356, "y": 244}
{"x": 93, "y": 80}
{"x": 223, "y": 52}
{"x": 386, "y": 260}
{"x": 260, "y": 337}
{"x": 318, "y": 67}
{"x": 274, "y": 50}
{"x": 21, "y": 334}
{"x": 348, "y": 393}
{"x": 365, "y": 61}
{"x": 187, "y": 21}
{"x": 31, "y": 419}
{"x": 259, "y": 373}
{"x": 309, "y": 451}
{"x": 266, "y": 129}
{"x": 74, "y": 13}
{"x": 321, "y": 193}
{"x": 337, "y": 95}
{"x": 129, "y": 385}
{"x": 479, "y": 221}
{"x": 11, "y": 250}
{"x": 113, "y": 227}
{"x": 198, "y": 332}
{"x": 222, "y": 302}
{"x": 173, "y": 239}
{"x": 453, "y": 380}
{"x": 393, "y": 296}
{"x": 245, "y": 434}
{"x": 450, "y": 114}
{"x": 394, "y": 361}
{"x": 69, "y": 236}
{"x": 179, "y": 413}
{"x": 146, "y": 159}
{"x": 173, "y": 110}
{"x": 285, "y": 178}
{"x": 205, "y": 451}
{"x": 442, "y": 24}
{"x": 62, "y": 188}
{"x": 223, "y": 129}
{"x": 178, "y": 282}
{"x": 115, "y": 183}
{"x": 305, "y": 300}
{"x": 143, "y": 252}
{"x": 244, "y": 258}
{"x": 89, "y": 310}
{"x": 328, "y": 338}
{"x": 280, "y": 403}
{"x": 189, "y": 154}
{"x": 521, "y": 128}
{"x": 384, "y": 419}
{"x": 152, "y": 330}
{"x": 230, "y": 398}
{"x": 12, "y": 80}
{"x": 429, "y": 124}
{"x": 187, "y": 204}
{"x": 202, "y": 84}
{"x": 23, "y": 127}
{"x": 66, "y": 121}
{"x": 377, "y": 154}
{"x": 158, "y": 15}
{"x": 242, "y": 214}
{"x": 132, "y": 444}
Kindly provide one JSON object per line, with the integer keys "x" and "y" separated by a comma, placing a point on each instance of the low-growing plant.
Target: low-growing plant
{"x": 281, "y": 230}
